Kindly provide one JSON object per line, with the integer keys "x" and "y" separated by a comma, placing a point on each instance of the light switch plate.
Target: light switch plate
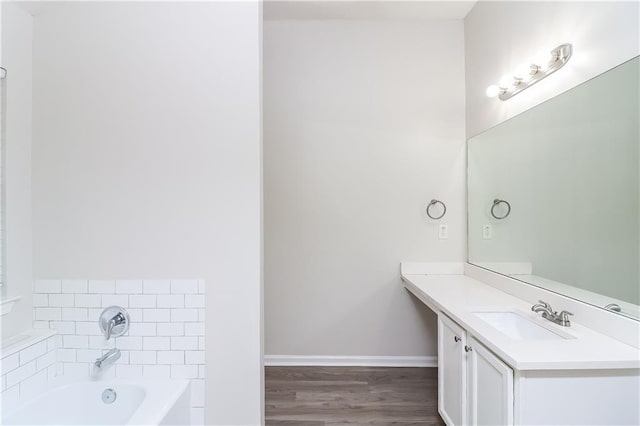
{"x": 443, "y": 232}
{"x": 487, "y": 232}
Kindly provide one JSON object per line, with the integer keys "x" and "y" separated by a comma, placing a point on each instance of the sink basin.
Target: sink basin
{"x": 518, "y": 327}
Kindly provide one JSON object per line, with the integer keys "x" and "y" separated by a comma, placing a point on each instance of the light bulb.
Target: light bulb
{"x": 506, "y": 82}
{"x": 493, "y": 91}
{"x": 523, "y": 71}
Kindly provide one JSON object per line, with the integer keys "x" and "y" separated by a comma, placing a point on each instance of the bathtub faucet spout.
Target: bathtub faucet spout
{"x": 109, "y": 358}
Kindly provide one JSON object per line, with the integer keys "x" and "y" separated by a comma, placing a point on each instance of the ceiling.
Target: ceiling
{"x": 366, "y": 9}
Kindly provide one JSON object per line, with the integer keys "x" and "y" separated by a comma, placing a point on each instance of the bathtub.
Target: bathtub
{"x": 137, "y": 402}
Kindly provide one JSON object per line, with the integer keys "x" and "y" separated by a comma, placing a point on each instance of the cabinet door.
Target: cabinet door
{"x": 490, "y": 387}
{"x": 452, "y": 392}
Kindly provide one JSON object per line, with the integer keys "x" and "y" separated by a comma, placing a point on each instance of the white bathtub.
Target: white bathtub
{"x": 138, "y": 402}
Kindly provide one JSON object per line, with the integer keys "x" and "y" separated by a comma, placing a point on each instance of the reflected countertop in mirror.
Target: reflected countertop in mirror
{"x": 554, "y": 193}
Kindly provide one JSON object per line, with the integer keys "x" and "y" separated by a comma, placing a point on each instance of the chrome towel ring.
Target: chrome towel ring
{"x": 496, "y": 203}
{"x": 433, "y": 203}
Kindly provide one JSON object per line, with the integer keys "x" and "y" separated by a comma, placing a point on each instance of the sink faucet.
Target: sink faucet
{"x": 548, "y": 313}
{"x": 109, "y": 358}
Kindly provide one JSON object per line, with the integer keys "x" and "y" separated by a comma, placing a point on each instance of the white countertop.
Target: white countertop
{"x": 458, "y": 296}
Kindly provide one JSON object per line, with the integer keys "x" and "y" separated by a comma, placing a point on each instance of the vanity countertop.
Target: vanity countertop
{"x": 459, "y": 296}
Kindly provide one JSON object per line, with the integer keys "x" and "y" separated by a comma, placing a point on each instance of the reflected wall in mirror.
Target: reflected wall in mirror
{"x": 568, "y": 169}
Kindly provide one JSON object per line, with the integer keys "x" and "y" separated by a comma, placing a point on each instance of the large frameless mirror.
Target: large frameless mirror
{"x": 553, "y": 193}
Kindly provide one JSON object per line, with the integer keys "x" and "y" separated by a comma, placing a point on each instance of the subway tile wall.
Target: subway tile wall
{"x": 165, "y": 339}
{"x": 25, "y": 373}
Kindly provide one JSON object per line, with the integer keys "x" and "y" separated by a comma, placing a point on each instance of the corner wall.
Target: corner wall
{"x": 499, "y": 35}
{"x": 146, "y": 163}
{"x": 16, "y": 57}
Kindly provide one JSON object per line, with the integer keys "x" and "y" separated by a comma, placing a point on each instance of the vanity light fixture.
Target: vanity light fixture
{"x": 529, "y": 74}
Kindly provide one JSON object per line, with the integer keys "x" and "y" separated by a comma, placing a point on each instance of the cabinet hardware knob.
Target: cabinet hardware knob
{"x": 467, "y": 348}
{"x": 456, "y": 339}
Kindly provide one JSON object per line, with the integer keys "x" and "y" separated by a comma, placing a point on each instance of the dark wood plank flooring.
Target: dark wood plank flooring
{"x": 319, "y": 396}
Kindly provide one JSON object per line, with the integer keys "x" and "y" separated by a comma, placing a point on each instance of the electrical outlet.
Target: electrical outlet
{"x": 443, "y": 232}
{"x": 487, "y": 232}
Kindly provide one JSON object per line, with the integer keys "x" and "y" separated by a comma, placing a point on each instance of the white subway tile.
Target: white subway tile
{"x": 201, "y": 343}
{"x": 9, "y": 363}
{"x": 74, "y": 286}
{"x": 194, "y": 357}
{"x": 171, "y": 357}
{"x": 183, "y": 315}
{"x": 142, "y": 357}
{"x": 124, "y": 371}
{"x": 66, "y": 355}
{"x": 197, "y": 416}
{"x": 171, "y": 329}
{"x": 156, "y": 343}
{"x": 43, "y": 314}
{"x": 156, "y": 315}
{"x": 3, "y": 383}
{"x": 121, "y": 300}
{"x": 142, "y": 329}
{"x": 62, "y": 300}
{"x": 135, "y": 314}
{"x": 102, "y": 287}
{"x": 201, "y": 314}
{"x": 74, "y": 314}
{"x": 46, "y": 286}
{"x": 41, "y": 325}
{"x": 194, "y": 329}
{"x": 58, "y": 340}
{"x": 194, "y": 301}
{"x": 75, "y": 342}
{"x": 98, "y": 342}
{"x": 19, "y": 374}
{"x": 184, "y": 343}
{"x": 184, "y": 371}
{"x": 10, "y": 397}
{"x": 129, "y": 286}
{"x": 63, "y": 327}
{"x": 40, "y": 300}
{"x": 88, "y": 328}
{"x": 52, "y": 371}
{"x": 129, "y": 342}
{"x": 171, "y": 301}
{"x": 201, "y": 371}
{"x": 52, "y": 343}
{"x": 184, "y": 286}
{"x": 32, "y": 352}
{"x": 197, "y": 393}
{"x": 94, "y": 313}
{"x": 33, "y": 386}
{"x": 142, "y": 301}
{"x": 201, "y": 286}
{"x": 88, "y": 301}
{"x": 124, "y": 357}
{"x": 88, "y": 355}
{"x": 76, "y": 370}
{"x": 156, "y": 371}
{"x": 108, "y": 372}
{"x": 46, "y": 360}
{"x": 156, "y": 286}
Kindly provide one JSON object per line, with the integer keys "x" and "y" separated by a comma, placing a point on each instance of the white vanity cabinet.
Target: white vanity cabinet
{"x": 474, "y": 386}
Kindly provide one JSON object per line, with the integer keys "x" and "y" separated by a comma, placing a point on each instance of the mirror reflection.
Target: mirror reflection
{"x": 553, "y": 194}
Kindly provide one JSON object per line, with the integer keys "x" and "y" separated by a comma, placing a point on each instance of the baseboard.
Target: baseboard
{"x": 350, "y": 361}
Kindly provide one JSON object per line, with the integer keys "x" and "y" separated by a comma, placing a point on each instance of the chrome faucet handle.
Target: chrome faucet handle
{"x": 545, "y": 304}
{"x": 113, "y": 322}
{"x": 541, "y": 304}
{"x": 563, "y": 318}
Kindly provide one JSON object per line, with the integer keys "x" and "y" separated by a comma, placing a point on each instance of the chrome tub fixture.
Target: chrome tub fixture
{"x": 113, "y": 322}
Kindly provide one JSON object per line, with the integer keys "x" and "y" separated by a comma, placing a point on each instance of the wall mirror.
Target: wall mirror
{"x": 553, "y": 193}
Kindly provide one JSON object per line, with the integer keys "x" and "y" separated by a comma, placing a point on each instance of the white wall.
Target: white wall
{"x": 363, "y": 125}
{"x": 16, "y": 57}
{"x": 146, "y": 163}
{"x": 500, "y": 35}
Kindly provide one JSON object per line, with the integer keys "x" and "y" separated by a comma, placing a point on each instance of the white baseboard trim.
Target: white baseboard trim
{"x": 350, "y": 361}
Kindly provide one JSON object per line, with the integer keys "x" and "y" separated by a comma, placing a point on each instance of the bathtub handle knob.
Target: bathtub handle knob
{"x": 113, "y": 322}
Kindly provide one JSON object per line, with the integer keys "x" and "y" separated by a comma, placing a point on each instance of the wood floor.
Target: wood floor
{"x": 318, "y": 396}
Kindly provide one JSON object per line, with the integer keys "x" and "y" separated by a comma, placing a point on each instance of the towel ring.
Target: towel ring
{"x": 496, "y": 203}
{"x": 432, "y": 203}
